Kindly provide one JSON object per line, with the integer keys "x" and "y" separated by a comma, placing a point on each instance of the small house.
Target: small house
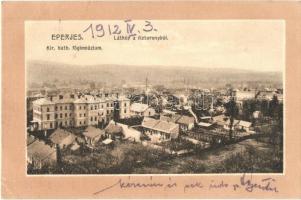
{"x": 114, "y": 131}
{"x": 62, "y": 138}
{"x": 92, "y": 135}
{"x": 160, "y": 130}
{"x": 186, "y": 123}
{"x": 142, "y": 110}
{"x": 40, "y": 154}
{"x": 130, "y": 133}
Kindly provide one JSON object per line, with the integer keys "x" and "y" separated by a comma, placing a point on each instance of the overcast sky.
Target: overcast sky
{"x": 240, "y": 44}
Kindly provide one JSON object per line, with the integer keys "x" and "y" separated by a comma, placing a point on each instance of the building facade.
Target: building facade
{"x": 74, "y": 111}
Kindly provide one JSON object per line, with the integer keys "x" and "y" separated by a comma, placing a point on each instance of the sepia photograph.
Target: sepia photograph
{"x": 107, "y": 97}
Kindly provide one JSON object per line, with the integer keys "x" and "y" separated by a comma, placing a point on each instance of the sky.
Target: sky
{"x": 257, "y": 45}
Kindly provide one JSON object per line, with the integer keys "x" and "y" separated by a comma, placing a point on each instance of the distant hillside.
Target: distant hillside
{"x": 41, "y": 71}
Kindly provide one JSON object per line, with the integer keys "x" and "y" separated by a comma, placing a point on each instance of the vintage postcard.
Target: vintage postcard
{"x": 150, "y": 105}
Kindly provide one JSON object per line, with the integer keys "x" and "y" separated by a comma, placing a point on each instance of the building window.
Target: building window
{"x": 61, "y": 115}
{"x": 107, "y": 111}
{"x": 84, "y": 114}
{"x": 66, "y": 123}
{"x": 55, "y": 108}
{"x": 108, "y": 105}
{"x": 61, "y": 108}
{"x": 124, "y": 104}
{"x": 48, "y": 117}
{"x": 66, "y": 115}
{"x": 101, "y": 105}
{"x": 95, "y": 118}
{"x": 91, "y": 119}
{"x": 80, "y": 115}
{"x": 91, "y": 108}
{"x": 84, "y": 107}
{"x": 80, "y": 123}
{"x": 80, "y": 107}
{"x": 55, "y": 116}
{"x": 70, "y": 107}
{"x": 48, "y": 109}
{"x": 70, "y": 115}
{"x": 66, "y": 108}
{"x": 50, "y": 125}
{"x": 124, "y": 110}
{"x": 95, "y": 107}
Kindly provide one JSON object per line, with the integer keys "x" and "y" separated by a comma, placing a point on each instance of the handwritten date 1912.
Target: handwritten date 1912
{"x": 129, "y": 28}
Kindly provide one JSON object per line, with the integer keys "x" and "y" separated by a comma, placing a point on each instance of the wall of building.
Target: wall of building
{"x": 77, "y": 114}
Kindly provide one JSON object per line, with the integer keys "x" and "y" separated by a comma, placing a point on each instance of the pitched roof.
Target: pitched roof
{"x": 165, "y": 118}
{"x": 68, "y": 100}
{"x": 93, "y": 132}
{"x": 171, "y": 118}
{"x": 165, "y": 126}
{"x": 159, "y": 125}
{"x": 139, "y": 107}
{"x": 43, "y": 101}
{"x": 112, "y": 128}
{"x": 81, "y": 100}
{"x": 185, "y": 120}
{"x": 149, "y": 122}
{"x": 39, "y": 150}
{"x": 59, "y": 134}
{"x": 129, "y": 132}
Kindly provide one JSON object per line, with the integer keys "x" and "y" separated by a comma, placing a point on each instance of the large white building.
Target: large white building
{"x": 73, "y": 111}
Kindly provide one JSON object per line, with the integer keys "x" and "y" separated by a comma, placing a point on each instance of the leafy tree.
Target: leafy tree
{"x": 273, "y": 109}
{"x": 116, "y": 112}
{"x": 232, "y": 112}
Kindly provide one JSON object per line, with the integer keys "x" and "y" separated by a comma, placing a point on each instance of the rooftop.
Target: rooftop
{"x": 185, "y": 120}
{"x": 93, "y": 132}
{"x": 43, "y": 101}
{"x": 39, "y": 150}
{"x": 113, "y": 128}
{"x": 58, "y": 135}
{"x": 159, "y": 125}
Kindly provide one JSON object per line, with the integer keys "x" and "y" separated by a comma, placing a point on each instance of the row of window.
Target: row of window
{"x": 80, "y": 107}
{"x": 60, "y": 116}
{"x": 60, "y": 124}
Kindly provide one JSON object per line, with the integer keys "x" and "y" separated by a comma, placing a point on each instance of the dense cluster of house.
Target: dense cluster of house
{"x": 59, "y": 113}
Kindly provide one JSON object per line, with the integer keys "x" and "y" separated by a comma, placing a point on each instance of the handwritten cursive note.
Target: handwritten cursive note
{"x": 244, "y": 182}
{"x": 127, "y": 28}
